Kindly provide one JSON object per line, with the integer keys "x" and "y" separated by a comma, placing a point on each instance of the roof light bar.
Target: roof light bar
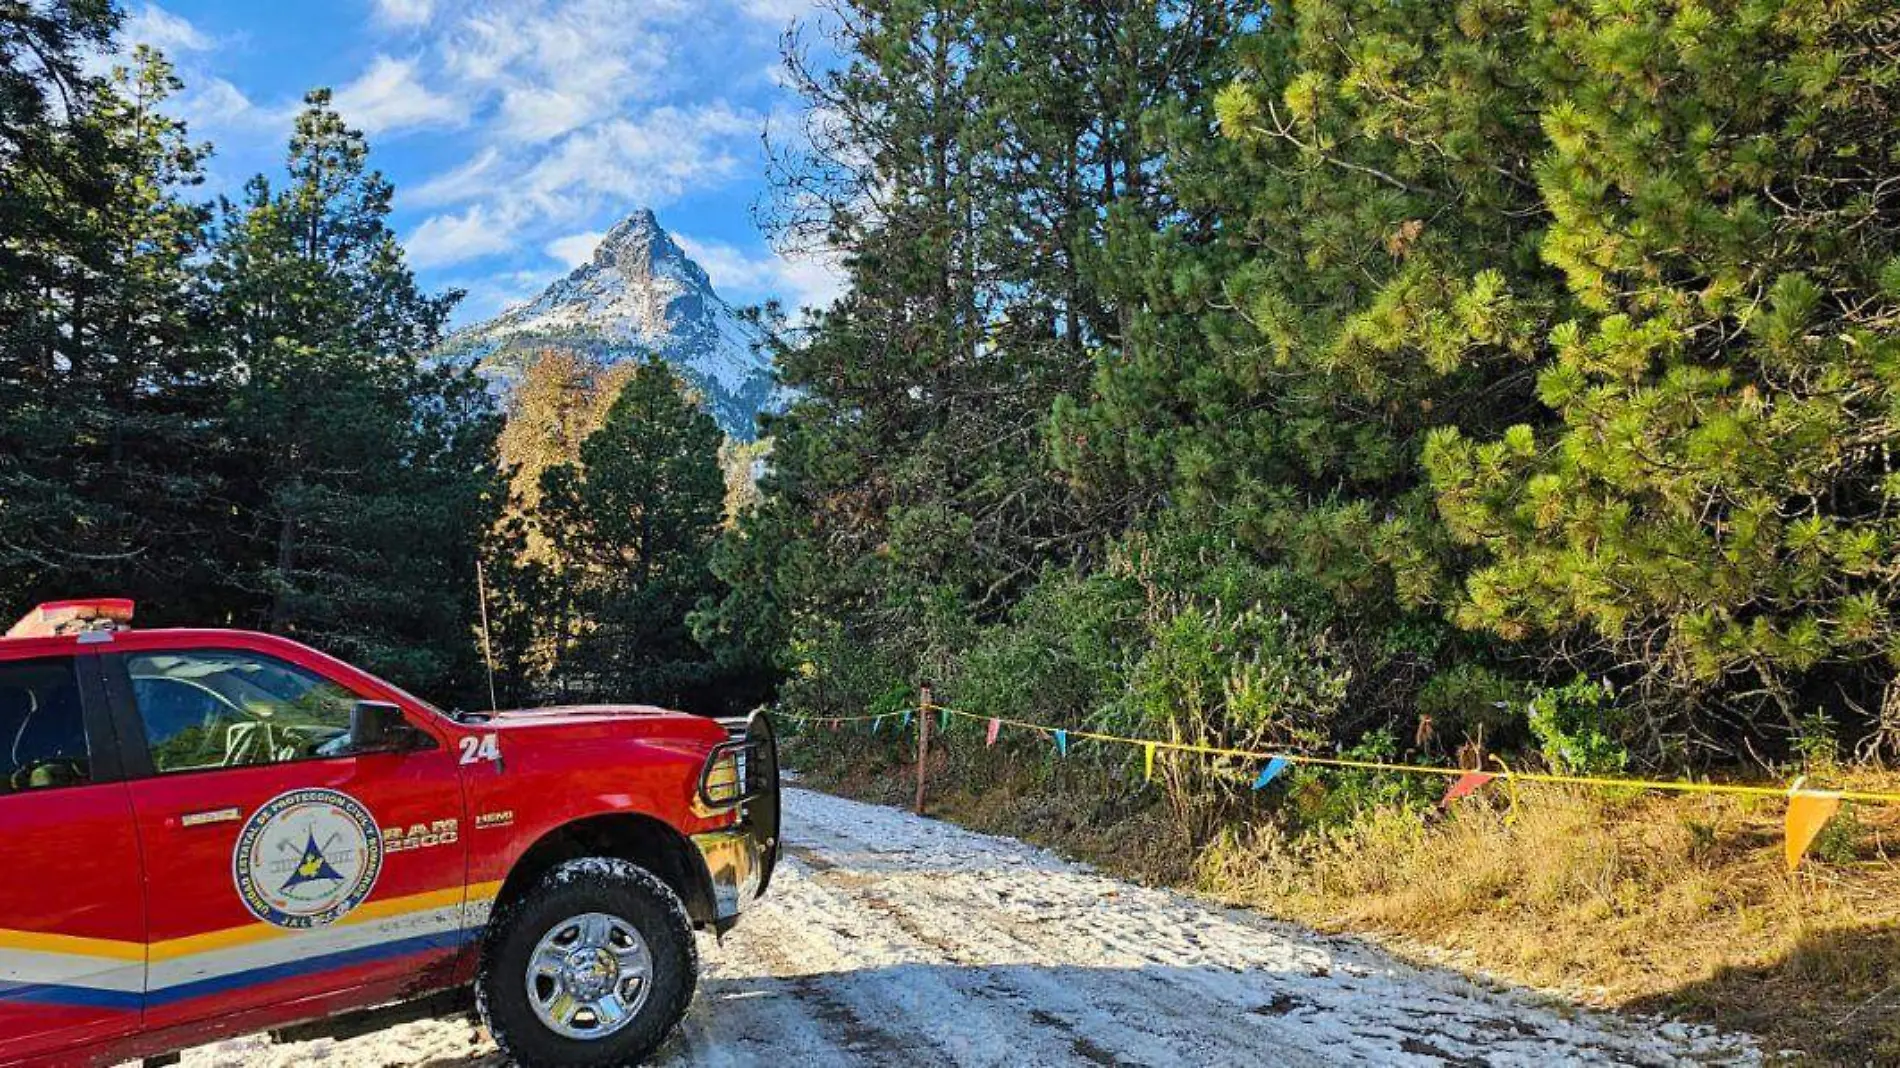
{"x": 56, "y": 618}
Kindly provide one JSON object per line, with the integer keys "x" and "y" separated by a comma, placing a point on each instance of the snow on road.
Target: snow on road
{"x": 893, "y": 940}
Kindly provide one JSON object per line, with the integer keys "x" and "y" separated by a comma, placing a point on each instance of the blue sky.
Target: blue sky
{"x": 516, "y": 131}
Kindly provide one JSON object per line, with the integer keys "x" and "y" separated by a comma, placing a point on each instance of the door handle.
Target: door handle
{"x": 210, "y": 815}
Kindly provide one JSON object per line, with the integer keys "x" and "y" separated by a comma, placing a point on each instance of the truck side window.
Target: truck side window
{"x": 42, "y": 730}
{"x": 219, "y": 709}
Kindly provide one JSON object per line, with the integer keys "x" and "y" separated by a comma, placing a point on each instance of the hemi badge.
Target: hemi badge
{"x": 216, "y": 815}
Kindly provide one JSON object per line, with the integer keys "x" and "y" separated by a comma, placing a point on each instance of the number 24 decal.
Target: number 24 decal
{"x": 475, "y": 750}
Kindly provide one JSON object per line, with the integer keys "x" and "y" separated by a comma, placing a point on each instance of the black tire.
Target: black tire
{"x": 592, "y": 884}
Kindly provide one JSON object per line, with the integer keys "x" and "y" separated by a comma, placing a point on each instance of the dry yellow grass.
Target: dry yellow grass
{"x": 1652, "y": 903}
{"x": 1655, "y": 903}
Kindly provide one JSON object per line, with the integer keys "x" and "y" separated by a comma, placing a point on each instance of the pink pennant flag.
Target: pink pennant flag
{"x": 1469, "y": 783}
{"x": 996, "y": 727}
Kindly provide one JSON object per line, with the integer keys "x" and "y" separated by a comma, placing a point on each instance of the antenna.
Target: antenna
{"x": 488, "y": 651}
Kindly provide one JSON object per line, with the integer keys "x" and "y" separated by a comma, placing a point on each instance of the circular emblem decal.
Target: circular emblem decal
{"x": 306, "y": 858}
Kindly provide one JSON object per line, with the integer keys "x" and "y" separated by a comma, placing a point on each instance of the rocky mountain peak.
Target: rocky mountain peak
{"x": 640, "y": 292}
{"x": 637, "y": 243}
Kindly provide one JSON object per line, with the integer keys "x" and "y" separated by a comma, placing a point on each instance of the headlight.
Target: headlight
{"x": 723, "y": 784}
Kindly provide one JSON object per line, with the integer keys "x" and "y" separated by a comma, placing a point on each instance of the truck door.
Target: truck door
{"x": 285, "y": 877}
{"x": 72, "y": 923}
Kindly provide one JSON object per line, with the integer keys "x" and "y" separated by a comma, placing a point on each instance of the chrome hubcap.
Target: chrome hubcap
{"x": 589, "y": 976}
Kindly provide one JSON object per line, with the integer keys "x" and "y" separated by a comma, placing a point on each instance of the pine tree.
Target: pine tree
{"x": 965, "y": 160}
{"x": 560, "y": 400}
{"x": 364, "y": 471}
{"x": 46, "y": 164}
{"x": 1352, "y": 263}
{"x": 110, "y": 392}
{"x": 1716, "y": 504}
{"x": 631, "y": 524}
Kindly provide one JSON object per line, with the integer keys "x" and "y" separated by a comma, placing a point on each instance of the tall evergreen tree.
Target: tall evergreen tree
{"x": 1714, "y": 512}
{"x": 111, "y": 393}
{"x": 1353, "y": 262}
{"x": 561, "y": 399}
{"x": 45, "y": 168}
{"x": 965, "y": 159}
{"x": 363, "y": 471}
{"x": 558, "y": 403}
{"x": 632, "y": 524}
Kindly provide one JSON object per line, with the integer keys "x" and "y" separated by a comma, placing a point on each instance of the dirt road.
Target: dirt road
{"x": 891, "y": 940}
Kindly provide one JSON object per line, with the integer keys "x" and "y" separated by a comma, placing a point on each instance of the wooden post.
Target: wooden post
{"x": 488, "y": 651}
{"x": 924, "y": 712}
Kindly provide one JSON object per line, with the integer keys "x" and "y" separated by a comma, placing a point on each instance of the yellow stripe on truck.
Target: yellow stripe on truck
{"x": 230, "y": 937}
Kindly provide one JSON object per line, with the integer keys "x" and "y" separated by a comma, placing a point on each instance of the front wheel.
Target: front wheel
{"x": 592, "y": 967}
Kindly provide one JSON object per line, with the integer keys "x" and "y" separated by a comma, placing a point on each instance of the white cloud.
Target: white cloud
{"x": 777, "y": 11}
{"x": 390, "y": 96}
{"x": 447, "y": 239}
{"x": 405, "y": 12}
{"x": 646, "y": 160}
{"x": 555, "y": 67}
{"x": 575, "y": 249}
{"x": 473, "y": 178}
{"x": 172, "y": 34}
{"x": 216, "y": 103}
{"x": 489, "y": 294}
{"x": 537, "y": 113}
{"x": 214, "y": 109}
{"x": 813, "y": 281}
{"x": 803, "y": 280}
{"x": 574, "y": 110}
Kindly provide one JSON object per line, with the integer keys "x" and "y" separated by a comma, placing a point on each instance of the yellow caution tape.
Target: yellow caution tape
{"x": 1507, "y": 775}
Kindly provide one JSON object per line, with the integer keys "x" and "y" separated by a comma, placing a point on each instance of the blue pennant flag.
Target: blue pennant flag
{"x": 904, "y": 724}
{"x": 1062, "y": 742}
{"x": 1269, "y": 773}
{"x": 876, "y": 723}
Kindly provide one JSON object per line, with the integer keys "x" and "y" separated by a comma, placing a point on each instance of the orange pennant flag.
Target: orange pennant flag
{"x": 996, "y": 725}
{"x": 1808, "y": 812}
{"x": 1467, "y": 784}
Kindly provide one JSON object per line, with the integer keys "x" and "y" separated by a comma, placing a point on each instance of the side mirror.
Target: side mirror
{"x": 379, "y": 727}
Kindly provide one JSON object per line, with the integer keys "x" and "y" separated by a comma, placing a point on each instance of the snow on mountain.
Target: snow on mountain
{"x": 640, "y": 293}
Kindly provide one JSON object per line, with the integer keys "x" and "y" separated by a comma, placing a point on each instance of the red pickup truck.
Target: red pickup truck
{"x": 206, "y": 833}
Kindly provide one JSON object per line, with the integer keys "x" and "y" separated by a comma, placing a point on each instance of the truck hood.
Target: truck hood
{"x": 574, "y": 724}
{"x": 610, "y": 721}
{"x": 566, "y": 714}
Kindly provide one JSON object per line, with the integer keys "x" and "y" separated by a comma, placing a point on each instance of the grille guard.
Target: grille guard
{"x": 755, "y": 742}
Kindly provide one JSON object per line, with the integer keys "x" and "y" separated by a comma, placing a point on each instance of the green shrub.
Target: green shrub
{"x": 1817, "y": 743}
{"x": 1249, "y": 677}
{"x": 834, "y": 675}
{"x": 1474, "y": 701}
{"x": 1840, "y": 841}
{"x": 1340, "y": 797}
{"x": 1059, "y": 658}
{"x": 1576, "y": 726}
